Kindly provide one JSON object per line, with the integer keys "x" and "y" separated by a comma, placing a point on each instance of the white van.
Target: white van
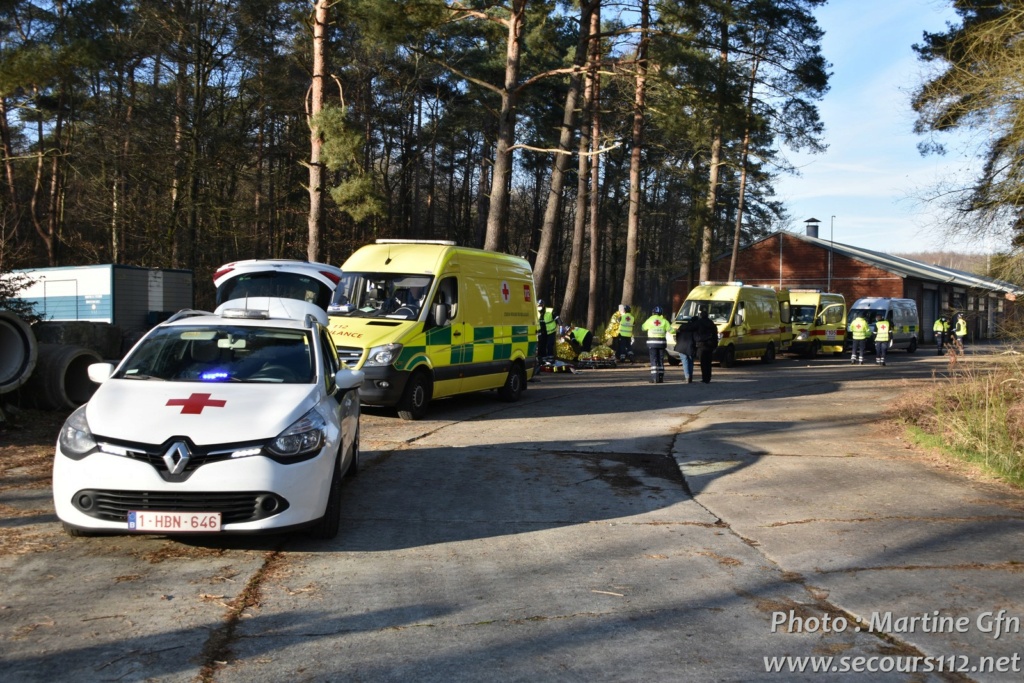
{"x": 901, "y": 314}
{"x": 307, "y": 281}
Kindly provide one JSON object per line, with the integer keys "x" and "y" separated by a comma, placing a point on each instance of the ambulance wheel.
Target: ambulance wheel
{"x": 515, "y": 384}
{"x": 728, "y": 357}
{"x": 769, "y": 354}
{"x": 913, "y": 345}
{"x": 413, "y": 405}
{"x": 814, "y": 350}
{"x": 327, "y": 526}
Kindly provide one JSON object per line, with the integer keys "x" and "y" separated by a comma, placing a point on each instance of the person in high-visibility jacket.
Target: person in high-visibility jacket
{"x": 547, "y": 330}
{"x": 580, "y": 338}
{"x": 883, "y": 336}
{"x": 941, "y": 330}
{"x": 859, "y": 330}
{"x": 960, "y": 329}
{"x": 656, "y": 327}
{"x": 624, "y": 341}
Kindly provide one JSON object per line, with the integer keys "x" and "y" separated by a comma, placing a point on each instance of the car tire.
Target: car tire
{"x": 416, "y": 397}
{"x": 515, "y": 384}
{"x": 913, "y": 345}
{"x": 674, "y": 361}
{"x": 815, "y": 349}
{"x": 327, "y": 526}
{"x": 729, "y": 357}
{"x": 769, "y": 354}
{"x": 74, "y": 531}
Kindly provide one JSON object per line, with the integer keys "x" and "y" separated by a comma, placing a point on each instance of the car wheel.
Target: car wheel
{"x": 416, "y": 398}
{"x": 327, "y": 526}
{"x": 74, "y": 531}
{"x": 769, "y": 354}
{"x": 515, "y": 384}
{"x": 814, "y": 350}
{"x": 674, "y": 361}
{"x": 728, "y": 357}
{"x": 913, "y": 345}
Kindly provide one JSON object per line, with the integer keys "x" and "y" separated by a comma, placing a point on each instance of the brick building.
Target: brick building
{"x": 794, "y": 261}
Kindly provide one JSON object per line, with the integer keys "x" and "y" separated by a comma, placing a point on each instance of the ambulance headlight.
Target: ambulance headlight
{"x": 76, "y": 439}
{"x": 803, "y": 336}
{"x": 384, "y": 355}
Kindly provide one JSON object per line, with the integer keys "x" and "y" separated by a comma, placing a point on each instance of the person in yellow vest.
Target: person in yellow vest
{"x": 580, "y": 338}
{"x": 656, "y": 327}
{"x": 883, "y": 336}
{"x": 547, "y": 330}
{"x": 941, "y": 330}
{"x": 624, "y": 342}
{"x": 960, "y": 330}
{"x": 859, "y": 330}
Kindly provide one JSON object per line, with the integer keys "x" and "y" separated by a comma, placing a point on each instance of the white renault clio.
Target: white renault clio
{"x": 243, "y": 420}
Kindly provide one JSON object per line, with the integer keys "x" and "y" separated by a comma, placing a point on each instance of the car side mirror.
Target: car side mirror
{"x": 100, "y": 372}
{"x": 349, "y": 379}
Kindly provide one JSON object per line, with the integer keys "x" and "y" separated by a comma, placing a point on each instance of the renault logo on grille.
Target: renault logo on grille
{"x": 176, "y": 458}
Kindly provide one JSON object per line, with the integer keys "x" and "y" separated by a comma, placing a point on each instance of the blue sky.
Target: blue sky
{"x": 872, "y": 172}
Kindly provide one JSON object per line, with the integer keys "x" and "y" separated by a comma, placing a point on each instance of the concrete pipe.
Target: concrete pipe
{"x": 61, "y": 380}
{"x": 18, "y": 351}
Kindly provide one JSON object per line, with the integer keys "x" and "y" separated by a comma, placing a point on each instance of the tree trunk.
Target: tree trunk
{"x": 572, "y": 280}
{"x": 497, "y": 215}
{"x": 707, "y": 236}
{"x": 744, "y": 155}
{"x": 316, "y": 104}
{"x": 595, "y": 197}
{"x": 553, "y": 210}
{"x": 639, "y": 104}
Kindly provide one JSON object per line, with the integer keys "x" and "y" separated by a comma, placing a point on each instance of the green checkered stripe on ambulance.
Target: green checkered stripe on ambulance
{"x": 483, "y": 348}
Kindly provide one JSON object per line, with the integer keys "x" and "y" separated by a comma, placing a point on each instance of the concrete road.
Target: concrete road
{"x": 601, "y": 529}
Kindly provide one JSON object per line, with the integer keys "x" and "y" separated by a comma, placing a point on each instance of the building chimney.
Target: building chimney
{"x": 812, "y": 227}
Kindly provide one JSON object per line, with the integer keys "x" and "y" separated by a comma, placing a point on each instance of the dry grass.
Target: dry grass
{"x": 974, "y": 411}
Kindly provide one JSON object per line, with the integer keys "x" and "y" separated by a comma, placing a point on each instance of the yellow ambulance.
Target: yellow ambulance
{"x": 427, "y": 319}
{"x": 753, "y": 322}
{"x": 819, "y": 321}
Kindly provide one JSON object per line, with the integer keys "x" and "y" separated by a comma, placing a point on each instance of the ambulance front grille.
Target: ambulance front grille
{"x": 350, "y": 355}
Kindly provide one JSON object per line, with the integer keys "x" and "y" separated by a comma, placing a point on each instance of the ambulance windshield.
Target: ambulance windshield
{"x": 802, "y": 314}
{"x": 395, "y": 296}
{"x": 718, "y": 311}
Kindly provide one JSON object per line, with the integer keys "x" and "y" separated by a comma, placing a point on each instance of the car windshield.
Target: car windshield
{"x": 275, "y": 283}
{"x": 221, "y": 354}
{"x": 381, "y": 295}
{"x": 718, "y": 311}
{"x": 802, "y": 314}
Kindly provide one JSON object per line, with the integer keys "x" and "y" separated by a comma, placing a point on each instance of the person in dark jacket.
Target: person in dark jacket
{"x": 686, "y": 346}
{"x": 706, "y": 337}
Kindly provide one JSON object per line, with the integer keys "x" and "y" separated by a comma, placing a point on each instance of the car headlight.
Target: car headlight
{"x": 384, "y": 355}
{"x": 803, "y": 336}
{"x": 76, "y": 439}
{"x": 305, "y": 436}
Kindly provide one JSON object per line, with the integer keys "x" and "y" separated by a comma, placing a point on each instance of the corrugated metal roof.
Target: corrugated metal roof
{"x": 905, "y": 267}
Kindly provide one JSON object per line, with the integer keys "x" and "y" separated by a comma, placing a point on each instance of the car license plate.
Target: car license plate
{"x": 173, "y": 522}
